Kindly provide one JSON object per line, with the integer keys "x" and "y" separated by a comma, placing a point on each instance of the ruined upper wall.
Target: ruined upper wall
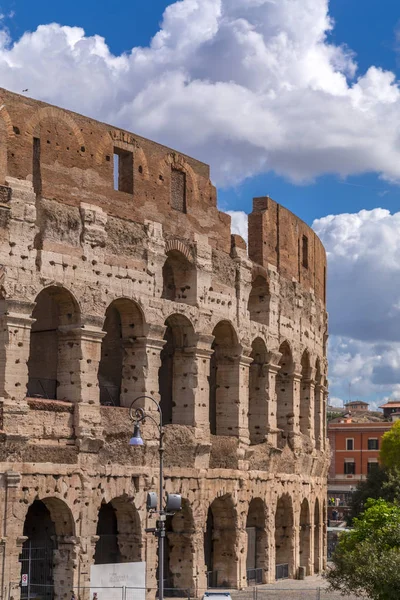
{"x": 279, "y": 238}
{"x": 70, "y": 158}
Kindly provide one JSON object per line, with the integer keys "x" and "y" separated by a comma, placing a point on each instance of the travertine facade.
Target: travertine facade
{"x": 108, "y": 294}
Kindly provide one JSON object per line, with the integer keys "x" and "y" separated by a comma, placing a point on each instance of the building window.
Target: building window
{"x": 349, "y": 444}
{"x": 123, "y": 171}
{"x": 178, "y": 190}
{"x": 349, "y": 468}
{"x": 371, "y": 465}
{"x": 373, "y": 444}
{"x": 305, "y": 252}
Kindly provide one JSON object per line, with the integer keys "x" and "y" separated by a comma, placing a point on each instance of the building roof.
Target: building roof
{"x": 356, "y": 402}
{"x": 391, "y": 405}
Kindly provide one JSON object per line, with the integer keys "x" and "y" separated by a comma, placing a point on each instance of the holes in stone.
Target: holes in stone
{"x": 16, "y": 130}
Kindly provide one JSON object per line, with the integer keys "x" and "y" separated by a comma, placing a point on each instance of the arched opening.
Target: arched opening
{"x": 284, "y": 391}
{"x": 259, "y": 300}
{"x": 305, "y": 396}
{"x": 219, "y": 543}
{"x": 179, "y": 551}
{"x": 318, "y": 411}
{"x": 54, "y": 352}
{"x": 120, "y": 371}
{"x": 118, "y": 528}
{"x": 257, "y": 542}
{"x": 284, "y": 537}
{"x": 179, "y": 278}
{"x": 175, "y": 376}
{"x": 224, "y": 381}
{"x": 258, "y": 393}
{"x": 47, "y": 557}
{"x": 317, "y": 537}
{"x": 305, "y": 537}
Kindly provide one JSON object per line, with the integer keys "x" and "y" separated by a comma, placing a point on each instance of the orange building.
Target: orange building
{"x": 355, "y": 451}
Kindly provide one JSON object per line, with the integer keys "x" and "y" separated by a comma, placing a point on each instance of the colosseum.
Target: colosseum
{"x": 120, "y": 278}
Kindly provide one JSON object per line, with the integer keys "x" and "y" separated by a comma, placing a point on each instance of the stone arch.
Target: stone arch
{"x": 179, "y": 274}
{"x": 259, "y": 300}
{"x": 317, "y": 537}
{"x": 120, "y": 373}
{"x": 179, "y": 555}
{"x": 49, "y": 527}
{"x": 257, "y": 542}
{"x": 284, "y": 391}
{"x": 119, "y": 531}
{"x": 220, "y": 541}
{"x": 258, "y": 392}
{"x": 5, "y": 117}
{"x": 284, "y": 534}
{"x": 224, "y": 380}
{"x": 306, "y": 413}
{"x": 178, "y": 162}
{"x": 54, "y": 353}
{"x": 52, "y": 112}
{"x": 305, "y": 536}
{"x": 175, "y": 376}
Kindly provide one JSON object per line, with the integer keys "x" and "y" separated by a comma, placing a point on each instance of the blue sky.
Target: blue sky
{"x": 302, "y": 110}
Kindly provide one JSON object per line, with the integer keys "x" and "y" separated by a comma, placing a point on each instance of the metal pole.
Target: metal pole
{"x": 162, "y": 519}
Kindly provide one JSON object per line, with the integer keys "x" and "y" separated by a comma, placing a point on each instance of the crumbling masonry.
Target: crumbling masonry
{"x": 120, "y": 278}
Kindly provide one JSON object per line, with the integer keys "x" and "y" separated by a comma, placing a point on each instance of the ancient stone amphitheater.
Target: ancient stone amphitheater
{"x": 120, "y": 277}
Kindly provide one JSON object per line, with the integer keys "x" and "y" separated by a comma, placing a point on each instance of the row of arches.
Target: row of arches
{"x": 277, "y": 396}
{"x": 270, "y": 541}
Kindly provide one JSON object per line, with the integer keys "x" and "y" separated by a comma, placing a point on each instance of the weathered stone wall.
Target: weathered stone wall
{"x": 108, "y": 295}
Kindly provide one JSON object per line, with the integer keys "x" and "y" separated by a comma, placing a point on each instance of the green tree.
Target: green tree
{"x": 367, "y": 558}
{"x": 390, "y": 449}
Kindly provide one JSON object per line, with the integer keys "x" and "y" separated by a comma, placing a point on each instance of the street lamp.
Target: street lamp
{"x": 174, "y": 502}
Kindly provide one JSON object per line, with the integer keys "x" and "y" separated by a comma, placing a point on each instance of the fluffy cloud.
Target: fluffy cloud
{"x": 364, "y": 302}
{"x": 247, "y": 85}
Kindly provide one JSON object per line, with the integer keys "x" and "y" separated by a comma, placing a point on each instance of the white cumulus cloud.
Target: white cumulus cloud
{"x": 246, "y": 85}
{"x": 363, "y": 252}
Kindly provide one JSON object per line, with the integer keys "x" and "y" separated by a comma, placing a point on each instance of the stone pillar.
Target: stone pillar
{"x": 64, "y": 566}
{"x": 152, "y": 345}
{"x": 324, "y": 404}
{"x": 83, "y": 552}
{"x": 199, "y": 567}
{"x": 307, "y": 405}
{"x": 271, "y": 371}
{"x": 232, "y": 396}
{"x": 318, "y": 415}
{"x": 69, "y": 363}
{"x": 90, "y": 353}
{"x": 15, "y": 328}
{"x": 11, "y": 535}
{"x": 191, "y": 386}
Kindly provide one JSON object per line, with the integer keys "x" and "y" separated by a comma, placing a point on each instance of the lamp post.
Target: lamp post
{"x": 173, "y": 504}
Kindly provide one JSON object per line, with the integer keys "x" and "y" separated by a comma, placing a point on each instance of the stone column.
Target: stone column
{"x": 91, "y": 336}
{"x": 324, "y": 404}
{"x": 307, "y": 404}
{"x": 153, "y": 343}
{"x": 64, "y": 566}
{"x": 318, "y": 415}
{"x": 233, "y": 396}
{"x": 15, "y": 328}
{"x": 271, "y": 371}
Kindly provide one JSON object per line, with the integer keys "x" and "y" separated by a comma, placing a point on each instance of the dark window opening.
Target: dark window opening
{"x": 305, "y": 252}
{"x": 178, "y": 190}
{"x": 349, "y": 468}
{"x": 350, "y": 444}
{"x": 36, "y": 173}
{"x": 371, "y": 466}
{"x": 123, "y": 171}
{"x": 373, "y": 444}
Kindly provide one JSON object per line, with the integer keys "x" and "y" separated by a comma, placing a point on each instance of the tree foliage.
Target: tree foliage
{"x": 390, "y": 449}
{"x": 367, "y": 558}
{"x": 380, "y": 483}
